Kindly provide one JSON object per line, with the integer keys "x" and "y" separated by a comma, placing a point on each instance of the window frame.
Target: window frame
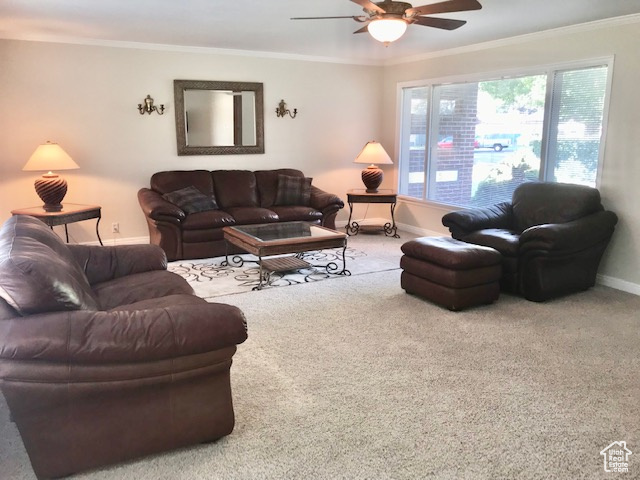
{"x": 548, "y": 70}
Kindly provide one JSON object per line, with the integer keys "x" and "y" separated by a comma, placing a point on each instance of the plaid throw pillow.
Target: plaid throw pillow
{"x": 293, "y": 191}
{"x": 191, "y": 200}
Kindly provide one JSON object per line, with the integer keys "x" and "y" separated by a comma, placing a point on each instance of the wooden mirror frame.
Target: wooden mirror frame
{"x": 179, "y": 86}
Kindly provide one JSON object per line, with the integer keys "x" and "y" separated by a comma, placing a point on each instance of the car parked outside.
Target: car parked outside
{"x": 495, "y": 140}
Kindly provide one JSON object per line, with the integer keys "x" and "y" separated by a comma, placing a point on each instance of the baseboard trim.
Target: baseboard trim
{"x": 618, "y": 284}
{"x": 120, "y": 241}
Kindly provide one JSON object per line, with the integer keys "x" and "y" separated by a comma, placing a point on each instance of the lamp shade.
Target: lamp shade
{"x": 387, "y": 30}
{"x": 51, "y": 188}
{"x": 50, "y": 156}
{"x": 373, "y": 153}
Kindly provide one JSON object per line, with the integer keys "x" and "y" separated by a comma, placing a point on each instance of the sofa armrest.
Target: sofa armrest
{"x": 463, "y": 222}
{"x": 571, "y": 236}
{"x": 106, "y": 263}
{"x": 123, "y": 336}
{"x": 159, "y": 209}
{"x": 321, "y": 200}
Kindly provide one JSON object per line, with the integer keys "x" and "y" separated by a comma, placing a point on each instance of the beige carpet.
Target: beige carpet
{"x": 354, "y": 379}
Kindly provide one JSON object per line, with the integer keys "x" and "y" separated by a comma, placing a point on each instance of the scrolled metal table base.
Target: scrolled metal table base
{"x": 265, "y": 274}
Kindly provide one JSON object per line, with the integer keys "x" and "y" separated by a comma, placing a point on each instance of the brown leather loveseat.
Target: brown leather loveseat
{"x": 190, "y": 225}
{"x": 551, "y": 237}
{"x": 105, "y": 355}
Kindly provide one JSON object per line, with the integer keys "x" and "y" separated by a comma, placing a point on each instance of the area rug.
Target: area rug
{"x": 213, "y": 277}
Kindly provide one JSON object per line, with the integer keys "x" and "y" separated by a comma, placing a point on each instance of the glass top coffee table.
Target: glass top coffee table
{"x": 277, "y": 239}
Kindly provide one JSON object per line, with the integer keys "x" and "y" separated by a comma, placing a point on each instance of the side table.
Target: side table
{"x": 70, "y": 213}
{"x": 381, "y": 196}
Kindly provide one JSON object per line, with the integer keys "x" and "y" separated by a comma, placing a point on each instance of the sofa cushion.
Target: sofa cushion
{"x": 253, "y": 215}
{"x": 191, "y": 200}
{"x": 37, "y": 271}
{"x": 235, "y": 188}
{"x": 293, "y": 190}
{"x": 207, "y": 220}
{"x": 268, "y": 184}
{"x": 140, "y": 286}
{"x": 296, "y": 213}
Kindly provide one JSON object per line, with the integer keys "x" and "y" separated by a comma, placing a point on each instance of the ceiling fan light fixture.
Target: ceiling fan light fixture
{"x": 387, "y": 30}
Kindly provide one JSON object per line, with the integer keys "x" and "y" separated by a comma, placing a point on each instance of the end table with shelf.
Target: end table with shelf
{"x": 381, "y": 196}
{"x": 70, "y": 213}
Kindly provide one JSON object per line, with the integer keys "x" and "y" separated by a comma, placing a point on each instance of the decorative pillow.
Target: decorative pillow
{"x": 191, "y": 200}
{"x": 293, "y": 191}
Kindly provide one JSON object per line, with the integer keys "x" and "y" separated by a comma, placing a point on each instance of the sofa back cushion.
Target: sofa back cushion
{"x": 538, "y": 203}
{"x": 38, "y": 272}
{"x": 235, "y": 188}
{"x": 170, "y": 181}
{"x": 268, "y": 184}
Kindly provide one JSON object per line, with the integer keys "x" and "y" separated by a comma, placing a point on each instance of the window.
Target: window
{"x": 473, "y": 143}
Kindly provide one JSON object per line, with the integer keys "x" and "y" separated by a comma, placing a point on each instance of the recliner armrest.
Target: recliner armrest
{"x": 106, "y": 263}
{"x": 571, "y": 236}
{"x": 463, "y": 222}
{"x": 157, "y": 208}
{"x": 191, "y": 326}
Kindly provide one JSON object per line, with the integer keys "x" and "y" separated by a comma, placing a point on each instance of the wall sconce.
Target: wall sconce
{"x": 149, "y": 107}
{"x": 282, "y": 110}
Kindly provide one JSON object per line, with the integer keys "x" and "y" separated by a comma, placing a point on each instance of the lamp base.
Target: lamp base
{"x": 51, "y": 189}
{"x": 50, "y": 207}
{"x": 372, "y": 178}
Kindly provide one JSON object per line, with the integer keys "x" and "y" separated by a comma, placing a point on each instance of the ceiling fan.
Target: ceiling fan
{"x": 388, "y": 20}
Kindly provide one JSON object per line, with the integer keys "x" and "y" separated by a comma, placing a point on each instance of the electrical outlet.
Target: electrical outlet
{"x": 115, "y": 227}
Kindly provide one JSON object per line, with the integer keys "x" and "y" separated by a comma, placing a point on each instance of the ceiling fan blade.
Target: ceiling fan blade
{"x": 356, "y": 18}
{"x": 444, "y": 7}
{"x": 443, "y": 23}
{"x": 363, "y": 29}
{"x": 367, "y": 5}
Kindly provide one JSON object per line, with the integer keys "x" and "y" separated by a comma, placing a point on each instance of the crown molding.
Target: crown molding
{"x": 185, "y": 49}
{"x": 503, "y": 42}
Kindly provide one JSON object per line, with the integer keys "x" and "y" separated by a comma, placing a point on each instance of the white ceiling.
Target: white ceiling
{"x": 265, "y": 25}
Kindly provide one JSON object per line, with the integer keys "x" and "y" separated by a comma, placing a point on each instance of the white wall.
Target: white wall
{"x": 85, "y": 98}
{"x": 621, "y": 173}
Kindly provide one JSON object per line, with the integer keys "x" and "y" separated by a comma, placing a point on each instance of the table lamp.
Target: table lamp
{"x": 51, "y": 188}
{"x": 373, "y": 153}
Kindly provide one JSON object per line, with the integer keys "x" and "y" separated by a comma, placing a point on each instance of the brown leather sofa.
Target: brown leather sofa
{"x": 551, "y": 237}
{"x": 105, "y": 355}
{"x": 242, "y": 197}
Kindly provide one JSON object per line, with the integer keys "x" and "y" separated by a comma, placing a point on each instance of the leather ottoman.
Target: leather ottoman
{"x": 451, "y": 273}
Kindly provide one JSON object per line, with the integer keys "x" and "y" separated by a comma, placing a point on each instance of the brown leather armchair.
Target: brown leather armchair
{"x": 551, "y": 237}
{"x": 105, "y": 355}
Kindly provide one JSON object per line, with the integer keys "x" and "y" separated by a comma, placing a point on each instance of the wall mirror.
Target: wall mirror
{"x": 218, "y": 118}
